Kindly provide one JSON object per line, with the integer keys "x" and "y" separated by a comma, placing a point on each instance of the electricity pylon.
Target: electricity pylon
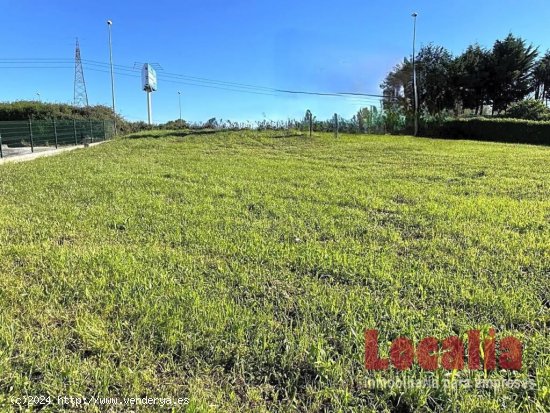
{"x": 80, "y": 94}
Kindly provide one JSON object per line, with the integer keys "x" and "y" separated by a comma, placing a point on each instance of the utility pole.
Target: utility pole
{"x": 309, "y": 118}
{"x": 109, "y": 24}
{"x": 414, "y": 15}
{"x": 149, "y": 109}
{"x": 179, "y": 100}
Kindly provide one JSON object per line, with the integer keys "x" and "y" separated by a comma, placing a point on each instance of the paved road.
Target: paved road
{"x": 7, "y": 152}
{"x": 25, "y": 154}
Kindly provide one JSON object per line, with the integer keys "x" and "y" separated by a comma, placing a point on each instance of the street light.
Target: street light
{"x": 38, "y": 94}
{"x": 414, "y": 15}
{"x": 179, "y": 100}
{"x": 109, "y": 24}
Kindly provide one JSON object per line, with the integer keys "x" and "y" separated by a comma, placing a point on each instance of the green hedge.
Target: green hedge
{"x": 495, "y": 130}
{"x": 23, "y": 110}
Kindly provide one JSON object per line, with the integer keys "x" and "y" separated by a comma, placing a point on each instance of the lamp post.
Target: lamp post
{"x": 109, "y": 24}
{"x": 414, "y": 15}
{"x": 38, "y": 94}
{"x": 179, "y": 101}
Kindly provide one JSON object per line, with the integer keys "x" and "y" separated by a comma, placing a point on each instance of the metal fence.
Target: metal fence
{"x": 20, "y": 137}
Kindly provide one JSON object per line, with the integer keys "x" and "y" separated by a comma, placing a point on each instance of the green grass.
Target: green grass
{"x": 240, "y": 270}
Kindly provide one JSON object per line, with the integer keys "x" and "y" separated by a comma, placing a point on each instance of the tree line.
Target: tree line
{"x": 510, "y": 79}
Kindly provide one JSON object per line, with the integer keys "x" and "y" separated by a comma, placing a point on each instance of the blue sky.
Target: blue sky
{"x": 321, "y": 46}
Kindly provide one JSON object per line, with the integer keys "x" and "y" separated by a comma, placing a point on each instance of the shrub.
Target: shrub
{"x": 529, "y": 109}
{"x": 23, "y": 110}
{"x": 496, "y": 130}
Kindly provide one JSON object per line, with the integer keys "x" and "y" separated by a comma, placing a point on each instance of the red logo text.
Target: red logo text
{"x": 430, "y": 354}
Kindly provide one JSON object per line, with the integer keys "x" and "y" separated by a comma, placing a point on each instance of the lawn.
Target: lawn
{"x": 240, "y": 270}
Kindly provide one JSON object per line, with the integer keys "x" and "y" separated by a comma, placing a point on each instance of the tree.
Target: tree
{"x": 434, "y": 69}
{"x": 211, "y": 123}
{"x": 435, "y": 79}
{"x": 501, "y": 76}
{"x": 472, "y": 76}
{"x": 541, "y": 78}
{"x": 511, "y": 67}
{"x": 371, "y": 120}
{"x": 398, "y": 88}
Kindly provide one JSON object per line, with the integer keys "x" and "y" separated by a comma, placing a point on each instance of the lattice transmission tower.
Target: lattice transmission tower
{"x": 80, "y": 94}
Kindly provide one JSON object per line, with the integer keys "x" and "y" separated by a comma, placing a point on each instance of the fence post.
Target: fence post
{"x": 336, "y": 125}
{"x": 309, "y": 118}
{"x": 74, "y": 129}
{"x": 104, "y": 130}
{"x": 55, "y": 132}
{"x": 1, "y": 151}
{"x": 30, "y": 132}
{"x": 91, "y": 132}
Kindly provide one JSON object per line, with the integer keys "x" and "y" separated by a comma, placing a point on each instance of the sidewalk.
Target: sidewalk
{"x": 22, "y": 154}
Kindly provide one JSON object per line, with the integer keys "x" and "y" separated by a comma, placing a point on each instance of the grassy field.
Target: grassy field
{"x": 240, "y": 270}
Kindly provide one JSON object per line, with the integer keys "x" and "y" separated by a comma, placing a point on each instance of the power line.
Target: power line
{"x": 206, "y": 80}
{"x": 186, "y": 79}
{"x": 193, "y": 78}
{"x": 185, "y": 83}
{"x": 161, "y": 76}
{"x": 36, "y": 67}
{"x": 244, "y": 85}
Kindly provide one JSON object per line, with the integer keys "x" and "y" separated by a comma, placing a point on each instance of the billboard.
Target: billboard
{"x": 148, "y": 78}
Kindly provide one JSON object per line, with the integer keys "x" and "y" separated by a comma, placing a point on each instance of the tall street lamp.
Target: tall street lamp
{"x": 109, "y": 24}
{"x": 414, "y": 15}
{"x": 179, "y": 100}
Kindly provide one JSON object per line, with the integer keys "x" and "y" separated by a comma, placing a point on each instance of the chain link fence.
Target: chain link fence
{"x": 22, "y": 137}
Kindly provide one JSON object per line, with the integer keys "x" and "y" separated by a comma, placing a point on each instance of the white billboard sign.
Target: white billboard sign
{"x": 148, "y": 78}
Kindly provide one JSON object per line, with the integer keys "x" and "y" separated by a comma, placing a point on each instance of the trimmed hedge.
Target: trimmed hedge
{"x": 495, "y": 130}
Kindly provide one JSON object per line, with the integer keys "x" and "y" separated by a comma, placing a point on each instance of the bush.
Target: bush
{"x": 23, "y": 110}
{"x": 496, "y": 130}
{"x": 529, "y": 109}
